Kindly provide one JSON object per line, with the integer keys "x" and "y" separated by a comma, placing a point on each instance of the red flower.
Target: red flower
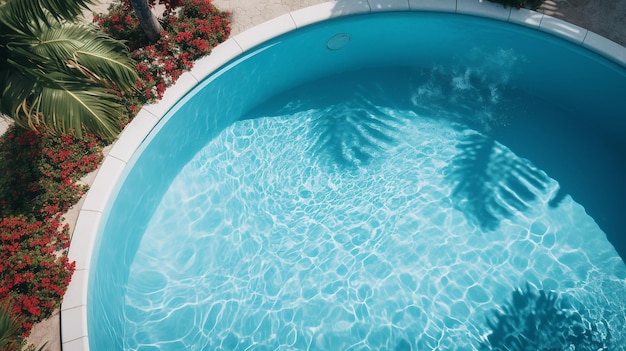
{"x": 183, "y": 36}
{"x": 201, "y": 44}
{"x": 33, "y": 278}
{"x": 169, "y": 65}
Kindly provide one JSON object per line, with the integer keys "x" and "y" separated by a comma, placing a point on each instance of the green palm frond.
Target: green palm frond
{"x": 20, "y": 13}
{"x": 69, "y": 107}
{"x": 73, "y": 48}
{"x": 92, "y": 54}
{"x": 61, "y": 77}
{"x": 59, "y": 42}
{"x": 15, "y": 87}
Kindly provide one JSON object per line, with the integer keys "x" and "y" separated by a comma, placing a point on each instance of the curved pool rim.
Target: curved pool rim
{"x": 74, "y": 330}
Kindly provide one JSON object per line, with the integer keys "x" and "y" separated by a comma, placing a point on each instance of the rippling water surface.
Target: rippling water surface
{"x": 375, "y": 211}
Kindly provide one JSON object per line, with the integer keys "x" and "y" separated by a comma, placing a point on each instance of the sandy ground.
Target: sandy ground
{"x": 607, "y": 18}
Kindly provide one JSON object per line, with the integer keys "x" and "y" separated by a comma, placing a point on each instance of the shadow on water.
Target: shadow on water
{"x": 349, "y": 118}
{"x": 588, "y": 164}
{"x": 491, "y": 183}
{"x": 354, "y": 133}
{"x": 589, "y": 168}
{"x": 356, "y": 117}
{"x": 542, "y": 320}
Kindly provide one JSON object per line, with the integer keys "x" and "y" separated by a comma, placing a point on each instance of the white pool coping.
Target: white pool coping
{"x": 74, "y": 335}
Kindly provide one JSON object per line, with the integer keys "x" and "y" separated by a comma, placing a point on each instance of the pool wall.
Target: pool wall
{"x": 118, "y": 174}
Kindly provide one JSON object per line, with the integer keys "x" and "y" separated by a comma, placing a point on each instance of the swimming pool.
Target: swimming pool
{"x": 369, "y": 201}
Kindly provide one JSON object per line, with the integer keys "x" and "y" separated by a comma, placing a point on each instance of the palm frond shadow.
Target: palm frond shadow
{"x": 542, "y": 320}
{"x": 491, "y": 183}
{"x": 354, "y": 133}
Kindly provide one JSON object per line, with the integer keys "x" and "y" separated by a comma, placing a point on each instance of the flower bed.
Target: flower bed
{"x": 38, "y": 184}
{"x": 32, "y": 276}
{"x": 39, "y": 179}
{"x": 41, "y": 171}
{"x": 190, "y": 32}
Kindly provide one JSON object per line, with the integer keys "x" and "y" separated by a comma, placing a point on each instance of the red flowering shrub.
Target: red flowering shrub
{"x": 33, "y": 278}
{"x": 41, "y": 171}
{"x": 122, "y": 24}
{"x": 38, "y": 184}
{"x": 191, "y": 31}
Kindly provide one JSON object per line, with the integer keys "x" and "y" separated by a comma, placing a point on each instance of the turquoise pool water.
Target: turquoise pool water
{"x": 376, "y": 198}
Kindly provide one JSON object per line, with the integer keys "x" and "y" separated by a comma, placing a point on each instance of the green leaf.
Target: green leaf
{"x": 88, "y": 53}
{"x": 105, "y": 58}
{"x": 21, "y": 13}
{"x": 67, "y": 108}
{"x": 16, "y": 88}
{"x": 10, "y": 333}
{"x": 61, "y": 77}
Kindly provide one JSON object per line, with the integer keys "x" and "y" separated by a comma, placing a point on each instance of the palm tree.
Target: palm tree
{"x": 147, "y": 19}
{"x": 57, "y": 74}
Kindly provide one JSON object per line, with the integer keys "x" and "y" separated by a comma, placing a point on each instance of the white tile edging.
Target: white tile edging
{"x": 74, "y": 333}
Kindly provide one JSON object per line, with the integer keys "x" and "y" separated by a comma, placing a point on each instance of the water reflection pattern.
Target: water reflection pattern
{"x": 260, "y": 244}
